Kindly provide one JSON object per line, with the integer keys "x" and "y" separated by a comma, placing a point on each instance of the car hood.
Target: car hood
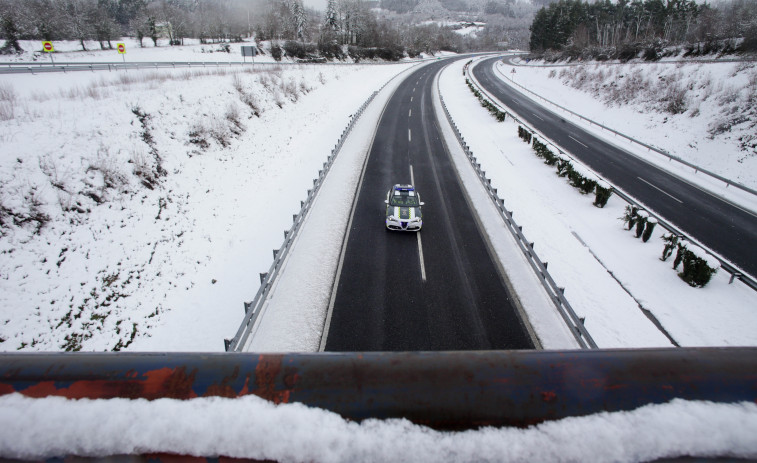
{"x": 404, "y": 213}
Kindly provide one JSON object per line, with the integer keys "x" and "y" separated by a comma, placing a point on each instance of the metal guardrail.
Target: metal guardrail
{"x": 23, "y": 68}
{"x": 252, "y": 309}
{"x": 736, "y": 273}
{"x": 697, "y": 169}
{"x": 443, "y": 390}
{"x": 556, "y": 293}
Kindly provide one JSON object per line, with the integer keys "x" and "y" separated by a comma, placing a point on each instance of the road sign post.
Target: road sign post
{"x": 47, "y": 47}
{"x": 121, "y": 47}
{"x": 249, "y": 51}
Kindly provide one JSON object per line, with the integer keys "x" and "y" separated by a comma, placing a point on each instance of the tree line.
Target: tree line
{"x": 399, "y": 26}
{"x": 108, "y": 20}
{"x": 576, "y": 25}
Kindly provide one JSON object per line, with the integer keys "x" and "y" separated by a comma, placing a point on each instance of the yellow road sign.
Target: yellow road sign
{"x": 48, "y": 47}
{"x": 121, "y": 48}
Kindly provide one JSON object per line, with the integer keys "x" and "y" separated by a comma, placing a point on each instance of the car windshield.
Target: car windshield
{"x": 404, "y": 200}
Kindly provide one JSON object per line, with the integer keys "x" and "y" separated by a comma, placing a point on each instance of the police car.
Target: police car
{"x": 403, "y": 209}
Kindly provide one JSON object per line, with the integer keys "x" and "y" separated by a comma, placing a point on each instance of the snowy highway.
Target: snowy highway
{"x": 439, "y": 289}
{"x": 725, "y": 228}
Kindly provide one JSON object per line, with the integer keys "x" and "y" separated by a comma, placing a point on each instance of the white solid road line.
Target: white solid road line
{"x": 420, "y": 253}
{"x": 576, "y": 140}
{"x": 660, "y": 190}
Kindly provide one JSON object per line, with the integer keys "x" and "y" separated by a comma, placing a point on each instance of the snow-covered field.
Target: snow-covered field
{"x": 168, "y": 267}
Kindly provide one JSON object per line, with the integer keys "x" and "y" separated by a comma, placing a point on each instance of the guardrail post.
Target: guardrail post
{"x": 263, "y": 276}
{"x": 733, "y": 277}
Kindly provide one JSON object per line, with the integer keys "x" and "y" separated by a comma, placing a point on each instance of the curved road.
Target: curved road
{"x": 728, "y": 230}
{"x": 439, "y": 289}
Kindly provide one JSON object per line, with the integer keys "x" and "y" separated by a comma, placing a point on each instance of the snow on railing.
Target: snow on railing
{"x": 697, "y": 169}
{"x": 556, "y": 293}
{"x": 735, "y": 272}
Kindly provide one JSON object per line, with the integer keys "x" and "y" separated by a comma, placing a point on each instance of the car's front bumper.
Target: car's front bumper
{"x": 404, "y": 225}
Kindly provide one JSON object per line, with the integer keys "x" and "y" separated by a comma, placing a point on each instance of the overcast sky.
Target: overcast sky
{"x": 317, "y": 4}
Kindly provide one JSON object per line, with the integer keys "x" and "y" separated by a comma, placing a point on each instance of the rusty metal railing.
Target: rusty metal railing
{"x": 444, "y": 390}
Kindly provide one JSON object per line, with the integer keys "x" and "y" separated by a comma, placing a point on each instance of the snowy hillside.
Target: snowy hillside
{"x": 705, "y": 113}
{"x": 126, "y": 196}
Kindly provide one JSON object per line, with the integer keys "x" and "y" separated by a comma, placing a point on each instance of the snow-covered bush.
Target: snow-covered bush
{"x": 602, "y": 194}
{"x": 103, "y": 174}
{"x": 581, "y": 178}
{"x": 698, "y": 266}
{"x": 630, "y": 216}
{"x": 198, "y": 135}
{"x": 641, "y": 221}
{"x": 671, "y": 242}
{"x": 563, "y": 167}
{"x": 524, "y": 134}
{"x": 649, "y": 229}
{"x": 544, "y": 152}
{"x": 500, "y": 115}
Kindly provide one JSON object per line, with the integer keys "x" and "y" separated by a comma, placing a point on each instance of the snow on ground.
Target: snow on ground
{"x": 117, "y": 264}
{"x": 159, "y": 197}
{"x": 250, "y": 427}
{"x": 609, "y": 275}
{"x": 715, "y": 123}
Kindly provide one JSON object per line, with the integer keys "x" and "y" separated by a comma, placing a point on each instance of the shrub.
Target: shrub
{"x": 331, "y": 50}
{"x": 198, "y": 135}
{"x": 276, "y": 52}
{"x": 630, "y": 216}
{"x": 671, "y": 241}
{"x": 523, "y": 133}
{"x": 299, "y": 50}
{"x": 648, "y": 229}
{"x": 641, "y": 222}
{"x": 698, "y": 267}
{"x": 578, "y": 180}
{"x": 603, "y": 193}
{"x": 564, "y": 167}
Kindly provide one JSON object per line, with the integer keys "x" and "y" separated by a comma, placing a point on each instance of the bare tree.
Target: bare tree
{"x": 77, "y": 14}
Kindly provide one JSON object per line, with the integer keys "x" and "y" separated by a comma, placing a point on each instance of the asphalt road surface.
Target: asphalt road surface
{"x": 727, "y": 229}
{"x": 438, "y": 289}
